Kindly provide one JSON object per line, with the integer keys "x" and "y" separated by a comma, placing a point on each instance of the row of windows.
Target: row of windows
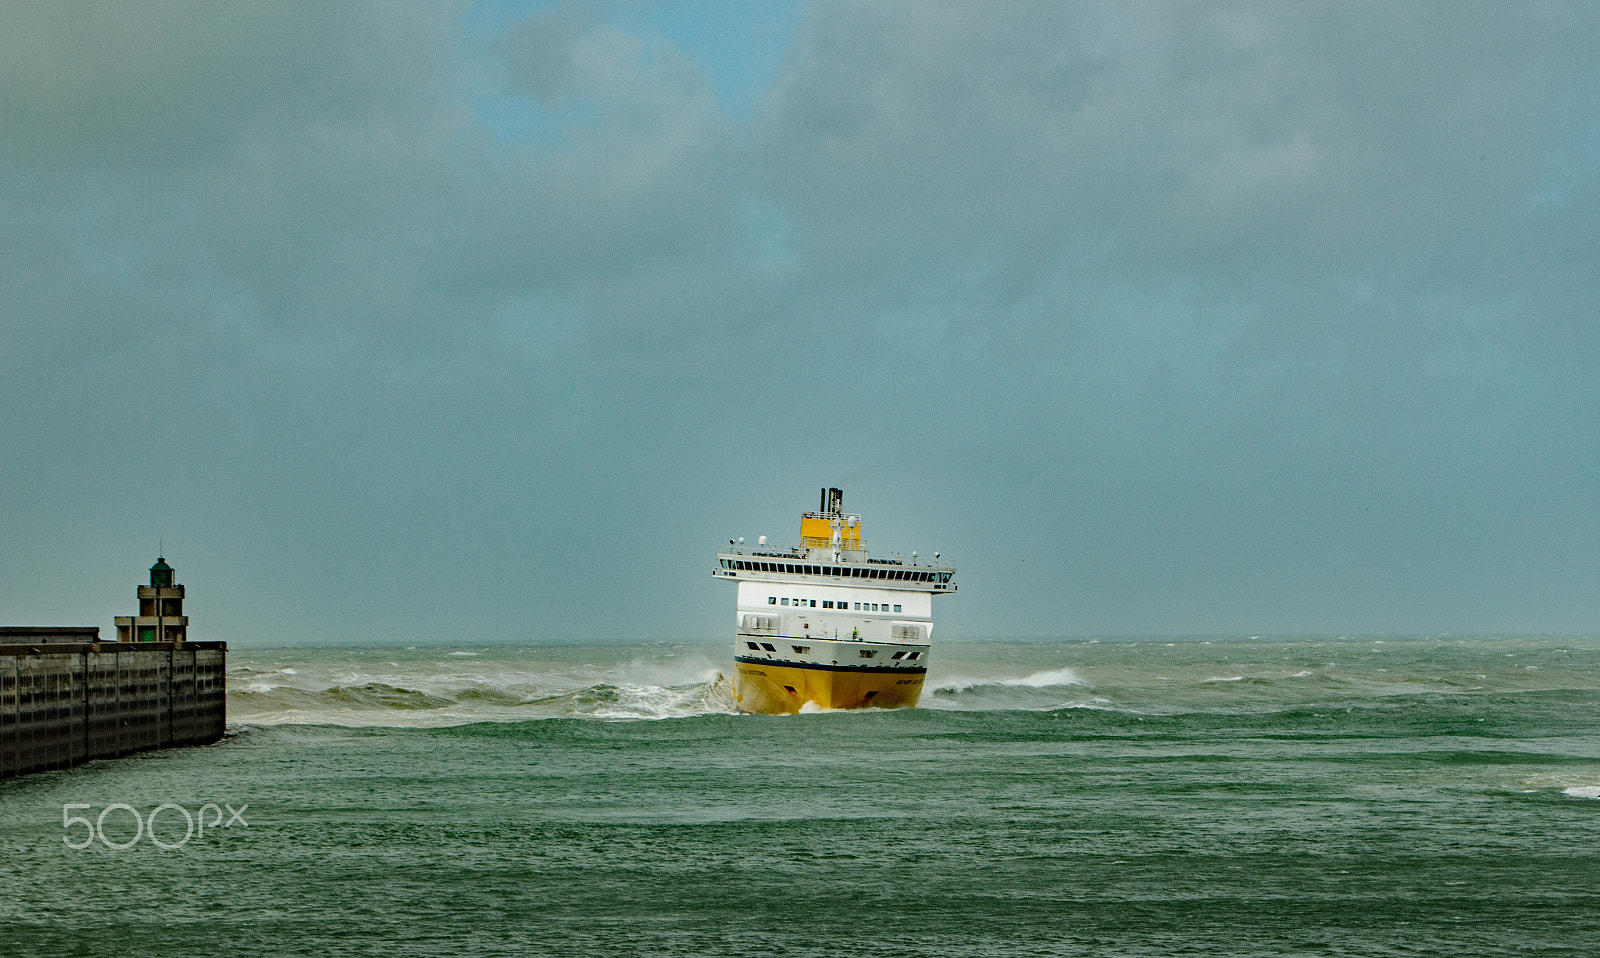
{"x": 831, "y": 604}
{"x": 806, "y": 650}
{"x": 855, "y": 572}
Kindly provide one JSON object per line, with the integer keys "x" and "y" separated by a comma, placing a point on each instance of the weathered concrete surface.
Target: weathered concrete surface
{"x": 62, "y": 703}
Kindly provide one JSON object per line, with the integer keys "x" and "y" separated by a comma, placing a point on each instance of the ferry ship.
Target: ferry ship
{"x": 826, "y": 625}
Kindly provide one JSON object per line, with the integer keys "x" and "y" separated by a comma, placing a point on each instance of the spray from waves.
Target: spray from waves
{"x": 1044, "y": 690}
{"x": 456, "y": 690}
{"x": 1049, "y": 678}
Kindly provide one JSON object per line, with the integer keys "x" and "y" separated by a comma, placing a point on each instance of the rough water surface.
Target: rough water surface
{"x": 1409, "y": 795}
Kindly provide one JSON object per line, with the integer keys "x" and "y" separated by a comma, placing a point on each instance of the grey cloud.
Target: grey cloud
{"x": 1254, "y": 316}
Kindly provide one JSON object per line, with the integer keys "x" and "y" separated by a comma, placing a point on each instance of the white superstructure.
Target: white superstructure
{"x": 858, "y": 626}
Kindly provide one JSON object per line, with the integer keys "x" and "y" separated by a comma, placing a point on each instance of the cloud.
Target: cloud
{"x": 1139, "y": 285}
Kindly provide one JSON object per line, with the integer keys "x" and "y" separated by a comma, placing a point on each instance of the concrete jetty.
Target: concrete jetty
{"x": 66, "y": 697}
{"x": 62, "y": 703}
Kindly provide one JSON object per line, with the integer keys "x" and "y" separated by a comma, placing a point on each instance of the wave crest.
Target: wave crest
{"x": 382, "y": 704}
{"x": 1044, "y": 679}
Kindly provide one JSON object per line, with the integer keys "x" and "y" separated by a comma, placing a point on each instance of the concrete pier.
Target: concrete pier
{"x": 63, "y": 702}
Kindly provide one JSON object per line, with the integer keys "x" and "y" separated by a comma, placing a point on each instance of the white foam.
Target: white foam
{"x": 1047, "y": 678}
{"x": 1582, "y": 791}
{"x": 1230, "y": 678}
{"x": 463, "y": 655}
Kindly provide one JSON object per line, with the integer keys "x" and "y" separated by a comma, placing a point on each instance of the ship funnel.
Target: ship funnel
{"x": 833, "y": 501}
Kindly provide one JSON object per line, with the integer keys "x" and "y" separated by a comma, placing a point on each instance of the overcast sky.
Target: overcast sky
{"x": 400, "y": 321}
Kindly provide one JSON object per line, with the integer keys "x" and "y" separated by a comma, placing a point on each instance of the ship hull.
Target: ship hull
{"x": 771, "y": 688}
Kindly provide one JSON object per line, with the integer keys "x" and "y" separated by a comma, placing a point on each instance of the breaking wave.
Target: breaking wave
{"x": 1044, "y": 690}
{"x": 1050, "y": 678}
{"x": 459, "y": 688}
{"x": 381, "y": 704}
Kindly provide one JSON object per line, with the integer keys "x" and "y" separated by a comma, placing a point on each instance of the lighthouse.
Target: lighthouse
{"x": 160, "y": 617}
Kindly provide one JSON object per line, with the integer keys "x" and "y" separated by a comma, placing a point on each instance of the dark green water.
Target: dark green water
{"x": 1414, "y": 796}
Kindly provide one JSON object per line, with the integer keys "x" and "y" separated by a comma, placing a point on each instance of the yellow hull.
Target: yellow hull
{"x": 783, "y": 689}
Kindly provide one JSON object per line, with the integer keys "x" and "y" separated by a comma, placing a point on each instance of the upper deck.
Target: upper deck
{"x": 831, "y": 551}
{"x": 800, "y": 565}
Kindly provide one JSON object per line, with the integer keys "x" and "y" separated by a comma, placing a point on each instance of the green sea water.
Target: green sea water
{"x": 1408, "y": 795}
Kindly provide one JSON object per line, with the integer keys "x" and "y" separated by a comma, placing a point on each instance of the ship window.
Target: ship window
{"x": 868, "y": 653}
{"x": 913, "y": 655}
{"x": 900, "y": 655}
{"x": 897, "y": 608}
{"x": 768, "y": 647}
{"x": 753, "y": 647}
{"x": 858, "y": 607}
{"x": 784, "y": 602}
{"x": 801, "y": 649}
{"x": 772, "y": 600}
{"x": 826, "y": 604}
{"x": 813, "y": 603}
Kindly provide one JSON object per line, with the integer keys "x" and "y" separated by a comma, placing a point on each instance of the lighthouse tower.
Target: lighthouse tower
{"x": 160, "y": 617}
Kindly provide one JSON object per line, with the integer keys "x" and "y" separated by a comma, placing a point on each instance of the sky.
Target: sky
{"x": 398, "y": 321}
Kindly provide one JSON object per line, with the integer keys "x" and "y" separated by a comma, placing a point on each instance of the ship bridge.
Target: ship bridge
{"x": 803, "y": 565}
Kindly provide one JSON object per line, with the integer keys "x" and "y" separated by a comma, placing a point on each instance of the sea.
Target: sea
{"x": 1096, "y": 796}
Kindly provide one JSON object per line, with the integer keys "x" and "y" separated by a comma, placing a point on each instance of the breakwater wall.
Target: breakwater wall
{"x": 69, "y": 702}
